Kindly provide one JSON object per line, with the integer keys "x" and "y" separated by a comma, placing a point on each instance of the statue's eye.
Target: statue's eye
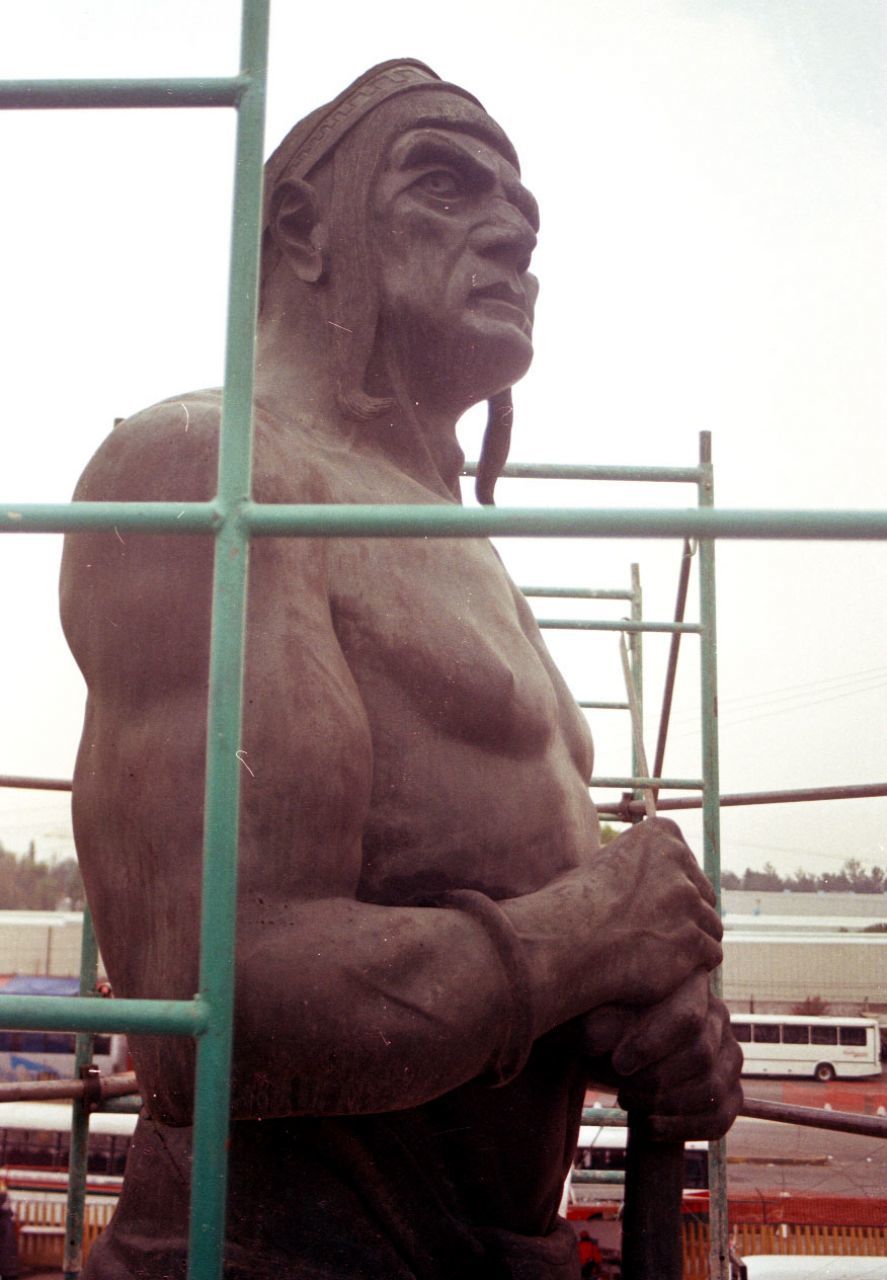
{"x": 441, "y": 183}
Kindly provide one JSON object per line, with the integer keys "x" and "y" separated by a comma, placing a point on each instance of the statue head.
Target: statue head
{"x": 398, "y": 208}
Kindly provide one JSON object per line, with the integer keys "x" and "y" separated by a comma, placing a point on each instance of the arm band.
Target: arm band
{"x": 517, "y": 1040}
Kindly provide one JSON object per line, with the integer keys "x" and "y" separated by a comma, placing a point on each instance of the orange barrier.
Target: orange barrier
{"x": 40, "y": 1229}
{"x": 784, "y": 1238}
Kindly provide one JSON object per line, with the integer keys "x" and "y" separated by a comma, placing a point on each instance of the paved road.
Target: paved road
{"x": 763, "y": 1156}
{"x": 822, "y": 1162}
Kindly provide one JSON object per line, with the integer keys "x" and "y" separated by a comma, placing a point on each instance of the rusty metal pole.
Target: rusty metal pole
{"x": 673, "y": 654}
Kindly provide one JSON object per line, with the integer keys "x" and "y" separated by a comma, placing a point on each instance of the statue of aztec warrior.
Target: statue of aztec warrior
{"x": 434, "y": 954}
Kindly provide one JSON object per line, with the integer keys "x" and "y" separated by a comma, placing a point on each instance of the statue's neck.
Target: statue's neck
{"x": 294, "y": 383}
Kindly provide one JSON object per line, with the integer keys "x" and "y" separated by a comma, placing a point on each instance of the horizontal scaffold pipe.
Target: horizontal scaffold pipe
{"x": 430, "y": 521}
{"x": 578, "y": 593}
{"x": 613, "y": 1117}
{"x": 37, "y": 784}
{"x": 73, "y": 1013}
{"x": 113, "y": 517}
{"x": 607, "y": 1176}
{"x": 96, "y": 1088}
{"x": 615, "y": 624}
{"x": 858, "y": 791}
{"x": 588, "y": 706}
{"x": 581, "y": 522}
{"x": 815, "y": 1118}
{"x": 779, "y": 1112}
{"x": 555, "y": 471}
{"x": 855, "y": 792}
{"x": 632, "y": 784}
{"x": 53, "y": 95}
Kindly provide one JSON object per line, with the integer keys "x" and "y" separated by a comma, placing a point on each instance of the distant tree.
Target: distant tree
{"x": 835, "y": 882}
{"x": 853, "y": 877}
{"x": 608, "y": 833}
{"x": 29, "y": 885}
{"x": 768, "y": 880}
{"x": 877, "y": 880}
{"x": 801, "y": 882}
{"x": 861, "y": 880}
{"x": 856, "y": 874}
{"x": 811, "y": 1007}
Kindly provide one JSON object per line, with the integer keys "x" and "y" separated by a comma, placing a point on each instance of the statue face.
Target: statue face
{"x": 454, "y": 232}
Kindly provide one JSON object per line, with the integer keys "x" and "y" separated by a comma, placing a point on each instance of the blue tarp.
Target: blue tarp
{"x": 23, "y": 985}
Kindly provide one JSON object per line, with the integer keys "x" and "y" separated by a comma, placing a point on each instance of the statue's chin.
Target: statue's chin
{"x": 498, "y": 354}
{"x": 487, "y": 350}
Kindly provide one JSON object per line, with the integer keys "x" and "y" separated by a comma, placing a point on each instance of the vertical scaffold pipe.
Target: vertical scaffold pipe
{"x": 711, "y": 820}
{"x": 72, "y": 1262}
{"x": 227, "y": 647}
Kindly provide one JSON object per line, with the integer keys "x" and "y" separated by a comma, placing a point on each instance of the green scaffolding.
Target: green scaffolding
{"x": 233, "y": 518}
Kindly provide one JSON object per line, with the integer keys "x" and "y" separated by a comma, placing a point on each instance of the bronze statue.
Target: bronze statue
{"x": 434, "y": 955}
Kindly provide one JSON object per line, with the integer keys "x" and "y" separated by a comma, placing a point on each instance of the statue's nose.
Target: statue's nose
{"x": 506, "y": 236}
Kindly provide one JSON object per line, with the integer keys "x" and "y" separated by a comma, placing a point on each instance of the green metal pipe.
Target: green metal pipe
{"x": 115, "y": 517}
{"x": 424, "y": 521}
{"x": 576, "y": 593}
{"x": 611, "y": 1117}
{"x": 224, "y": 728}
{"x": 43, "y": 95}
{"x": 617, "y": 624}
{"x": 572, "y": 471}
{"x": 719, "y": 1264}
{"x": 459, "y": 522}
{"x": 72, "y": 1262}
{"x": 636, "y": 781}
{"x": 613, "y": 1176}
{"x": 636, "y": 670}
{"x": 69, "y": 1013}
{"x": 604, "y": 706}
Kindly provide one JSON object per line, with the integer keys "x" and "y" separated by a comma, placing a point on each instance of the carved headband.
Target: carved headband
{"x": 313, "y": 138}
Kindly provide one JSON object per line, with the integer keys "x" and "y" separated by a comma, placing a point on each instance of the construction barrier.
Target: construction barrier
{"x": 797, "y": 1239}
{"x": 40, "y": 1229}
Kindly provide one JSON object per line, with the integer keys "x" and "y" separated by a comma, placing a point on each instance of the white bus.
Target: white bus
{"x": 603, "y": 1148}
{"x": 822, "y": 1048}
{"x": 35, "y": 1140}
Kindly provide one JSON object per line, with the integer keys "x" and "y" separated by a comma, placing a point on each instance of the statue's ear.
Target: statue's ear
{"x": 297, "y": 230}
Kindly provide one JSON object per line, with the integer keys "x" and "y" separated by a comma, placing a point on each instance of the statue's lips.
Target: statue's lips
{"x": 501, "y": 305}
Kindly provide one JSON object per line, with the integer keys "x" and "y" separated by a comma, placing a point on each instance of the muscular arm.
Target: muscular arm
{"x": 342, "y": 1005}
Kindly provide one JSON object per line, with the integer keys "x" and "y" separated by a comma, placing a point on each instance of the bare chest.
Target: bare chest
{"x": 431, "y": 628}
{"x": 480, "y": 758}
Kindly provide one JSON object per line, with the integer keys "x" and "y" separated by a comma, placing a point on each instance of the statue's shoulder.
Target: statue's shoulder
{"x": 167, "y": 452}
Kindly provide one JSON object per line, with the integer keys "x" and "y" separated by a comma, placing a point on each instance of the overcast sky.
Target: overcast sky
{"x": 712, "y": 176}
